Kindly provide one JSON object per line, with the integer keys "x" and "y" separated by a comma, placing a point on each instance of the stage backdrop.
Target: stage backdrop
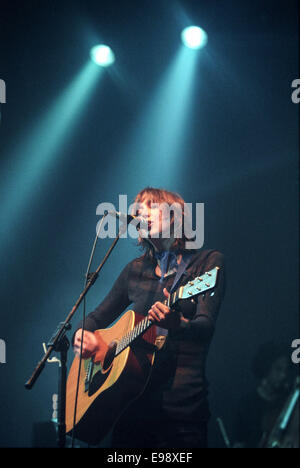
{"x": 219, "y": 127}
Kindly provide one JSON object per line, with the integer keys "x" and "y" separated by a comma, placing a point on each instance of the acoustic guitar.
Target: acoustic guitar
{"x": 118, "y": 373}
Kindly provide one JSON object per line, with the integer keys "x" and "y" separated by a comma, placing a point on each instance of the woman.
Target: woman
{"x": 173, "y": 410}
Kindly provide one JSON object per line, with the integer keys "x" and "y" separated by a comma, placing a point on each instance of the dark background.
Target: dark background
{"x": 240, "y": 158}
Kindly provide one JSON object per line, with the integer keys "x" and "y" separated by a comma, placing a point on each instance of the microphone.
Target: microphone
{"x": 127, "y": 218}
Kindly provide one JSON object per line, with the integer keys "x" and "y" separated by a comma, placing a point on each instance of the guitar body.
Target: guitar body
{"x": 119, "y": 371}
{"x": 113, "y": 383}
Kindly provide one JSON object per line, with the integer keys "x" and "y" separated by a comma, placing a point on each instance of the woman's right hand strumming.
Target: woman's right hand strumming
{"x": 89, "y": 345}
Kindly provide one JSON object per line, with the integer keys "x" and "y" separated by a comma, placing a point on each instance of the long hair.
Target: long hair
{"x": 180, "y": 216}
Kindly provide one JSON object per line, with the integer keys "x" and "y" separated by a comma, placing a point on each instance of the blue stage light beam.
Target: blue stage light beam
{"x": 155, "y": 150}
{"x": 37, "y": 154}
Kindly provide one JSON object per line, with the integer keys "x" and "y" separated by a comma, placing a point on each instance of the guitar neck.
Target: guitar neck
{"x": 137, "y": 331}
{"x": 143, "y": 325}
{"x": 192, "y": 288}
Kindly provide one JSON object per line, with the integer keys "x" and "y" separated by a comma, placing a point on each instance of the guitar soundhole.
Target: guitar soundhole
{"x": 110, "y": 355}
{"x": 102, "y": 371}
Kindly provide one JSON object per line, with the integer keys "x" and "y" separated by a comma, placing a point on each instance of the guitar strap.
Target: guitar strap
{"x": 162, "y": 332}
{"x": 186, "y": 258}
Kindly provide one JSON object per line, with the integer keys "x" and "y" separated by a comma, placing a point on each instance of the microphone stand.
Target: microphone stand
{"x": 60, "y": 343}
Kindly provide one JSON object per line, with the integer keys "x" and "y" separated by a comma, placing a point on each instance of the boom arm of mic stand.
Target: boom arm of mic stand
{"x": 54, "y": 344}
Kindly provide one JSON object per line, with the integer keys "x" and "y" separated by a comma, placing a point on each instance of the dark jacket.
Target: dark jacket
{"x": 177, "y": 388}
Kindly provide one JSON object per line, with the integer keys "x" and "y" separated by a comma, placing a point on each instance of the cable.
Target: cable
{"x": 83, "y": 327}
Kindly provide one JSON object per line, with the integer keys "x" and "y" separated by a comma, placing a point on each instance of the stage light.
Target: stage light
{"x": 194, "y": 37}
{"x": 38, "y": 150}
{"x": 160, "y": 134}
{"x": 102, "y": 55}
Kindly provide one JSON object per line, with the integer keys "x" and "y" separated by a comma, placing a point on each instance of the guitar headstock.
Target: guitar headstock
{"x": 200, "y": 284}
